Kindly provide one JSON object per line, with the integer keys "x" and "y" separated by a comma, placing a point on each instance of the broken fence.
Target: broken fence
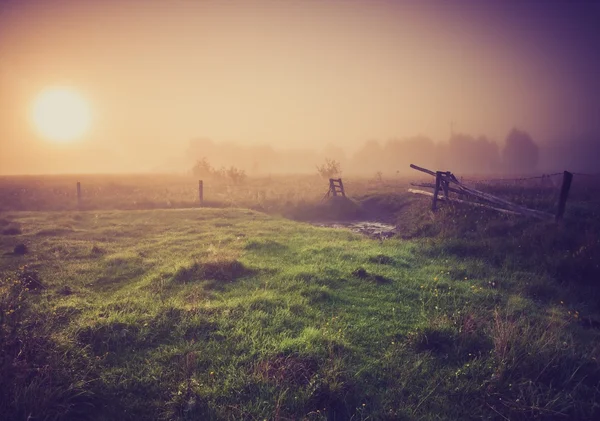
{"x": 446, "y": 183}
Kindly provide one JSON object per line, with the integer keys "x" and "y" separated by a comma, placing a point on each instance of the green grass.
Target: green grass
{"x": 233, "y": 314}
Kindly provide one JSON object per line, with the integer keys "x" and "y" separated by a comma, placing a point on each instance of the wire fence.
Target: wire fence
{"x": 540, "y": 192}
{"x": 268, "y": 193}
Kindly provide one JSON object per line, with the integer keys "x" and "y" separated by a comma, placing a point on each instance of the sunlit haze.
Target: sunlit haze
{"x": 297, "y": 74}
{"x": 61, "y": 114}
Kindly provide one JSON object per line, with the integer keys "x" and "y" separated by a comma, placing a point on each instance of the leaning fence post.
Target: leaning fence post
{"x": 201, "y": 192}
{"x": 564, "y": 194}
{"x": 438, "y": 179}
{"x": 78, "y": 194}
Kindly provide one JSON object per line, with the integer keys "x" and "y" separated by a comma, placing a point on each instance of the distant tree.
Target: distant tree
{"x": 467, "y": 154}
{"x": 520, "y": 153}
{"x": 202, "y": 168}
{"x": 329, "y": 169}
{"x": 368, "y": 158}
{"x": 236, "y": 175}
{"x": 398, "y": 154}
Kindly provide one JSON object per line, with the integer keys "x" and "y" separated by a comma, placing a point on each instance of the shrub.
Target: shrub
{"x": 203, "y": 169}
{"x": 235, "y": 175}
{"x": 329, "y": 169}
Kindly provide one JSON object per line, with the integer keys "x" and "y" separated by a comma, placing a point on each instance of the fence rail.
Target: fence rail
{"x": 443, "y": 180}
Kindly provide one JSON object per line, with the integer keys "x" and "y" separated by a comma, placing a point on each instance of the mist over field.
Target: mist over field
{"x": 461, "y": 153}
{"x": 279, "y": 85}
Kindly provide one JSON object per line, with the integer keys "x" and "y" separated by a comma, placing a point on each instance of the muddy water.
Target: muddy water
{"x": 370, "y": 228}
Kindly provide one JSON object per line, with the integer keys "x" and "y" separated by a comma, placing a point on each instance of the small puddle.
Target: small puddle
{"x": 369, "y": 228}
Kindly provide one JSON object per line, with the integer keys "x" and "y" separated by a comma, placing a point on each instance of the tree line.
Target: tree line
{"x": 462, "y": 153}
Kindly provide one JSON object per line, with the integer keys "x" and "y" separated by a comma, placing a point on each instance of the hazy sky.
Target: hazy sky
{"x": 291, "y": 73}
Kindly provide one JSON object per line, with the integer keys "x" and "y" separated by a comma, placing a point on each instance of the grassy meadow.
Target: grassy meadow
{"x": 243, "y": 310}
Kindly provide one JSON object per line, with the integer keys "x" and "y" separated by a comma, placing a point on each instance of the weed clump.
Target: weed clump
{"x": 105, "y": 337}
{"x": 317, "y": 294}
{"x": 290, "y": 369}
{"x": 361, "y": 273}
{"x": 539, "y": 373}
{"x": 438, "y": 341}
{"x": 39, "y": 380}
{"x": 30, "y": 279}
{"x": 225, "y": 270}
{"x": 96, "y": 251}
{"x": 381, "y": 259}
{"x": 222, "y": 269}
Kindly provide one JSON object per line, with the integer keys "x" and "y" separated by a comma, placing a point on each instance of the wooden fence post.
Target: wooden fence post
{"x": 78, "y": 194}
{"x": 342, "y": 188}
{"x": 438, "y": 179}
{"x": 445, "y": 184}
{"x": 201, "y": 192}
{"x": 332, "y": 187}
{"x": 564, "y": 194}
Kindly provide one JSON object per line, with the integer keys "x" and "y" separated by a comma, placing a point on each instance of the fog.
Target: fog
{"x": 277, "y": 86}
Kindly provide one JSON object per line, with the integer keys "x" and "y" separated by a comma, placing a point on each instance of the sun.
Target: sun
{"x": 61, "y": 114}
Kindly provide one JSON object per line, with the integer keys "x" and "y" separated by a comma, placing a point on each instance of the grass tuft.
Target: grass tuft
{"x": 20, "y": 249}
{"x": 219, "y": 269}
